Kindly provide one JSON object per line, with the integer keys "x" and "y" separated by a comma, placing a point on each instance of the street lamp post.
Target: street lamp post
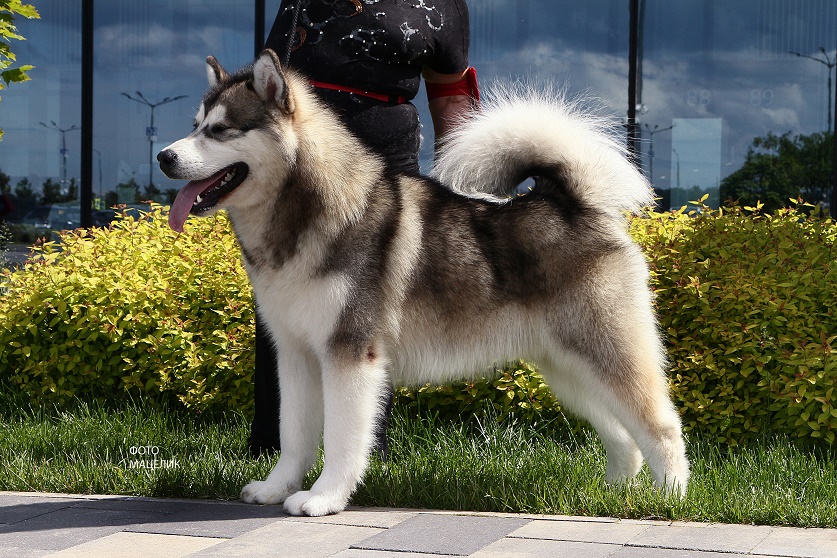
{"x": 53, "y": 126}
{"x": 651, "y": 131}
{"x": 99, "y": 153}
{"x": 151, "y": 131}
{"x": 677, "y": 158}
{"x": 828, "y": 63}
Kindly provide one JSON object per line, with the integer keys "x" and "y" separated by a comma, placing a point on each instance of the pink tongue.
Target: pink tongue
{"x": 186, "y": 198}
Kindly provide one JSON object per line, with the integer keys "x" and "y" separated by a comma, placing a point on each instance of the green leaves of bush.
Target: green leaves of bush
{"x": 132, "y": 308}
{"x": 746, "y": 302}
{"x": 516, "y": 392}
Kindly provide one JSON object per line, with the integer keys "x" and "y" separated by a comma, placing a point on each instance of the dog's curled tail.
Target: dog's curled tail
{"x": 517, "y": 135}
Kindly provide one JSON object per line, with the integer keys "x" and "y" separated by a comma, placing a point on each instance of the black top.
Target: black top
{"x": 374, "y": 45}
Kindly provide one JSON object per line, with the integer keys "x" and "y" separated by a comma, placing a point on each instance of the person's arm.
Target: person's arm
{"x": 445, "y": 111}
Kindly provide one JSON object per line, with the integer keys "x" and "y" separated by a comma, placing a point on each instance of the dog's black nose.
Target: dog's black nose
{"x": 167, "y": 159}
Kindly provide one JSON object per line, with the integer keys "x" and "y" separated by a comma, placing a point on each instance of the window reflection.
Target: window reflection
{"x": 729, "y": 90}
{"x": 40, "y": 153}
{"x": 723, "y": 74}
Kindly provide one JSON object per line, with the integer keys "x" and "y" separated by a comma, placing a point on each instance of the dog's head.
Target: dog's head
{"x": 242, "y": 129}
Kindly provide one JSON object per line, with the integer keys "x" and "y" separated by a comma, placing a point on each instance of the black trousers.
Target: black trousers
{"x": 394, "y": 132}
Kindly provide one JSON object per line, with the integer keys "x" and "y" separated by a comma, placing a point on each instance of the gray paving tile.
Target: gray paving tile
{"x": 539, "y": 548}
{"x": 454, "y": 535}
{"x": 18, "y": 552}
{"x": 210, "y": 519}
{"x": 14, "y": 508}
{"x": 593, "y": 519}
{"x": 61, "y": 495}
{"x": 646, "y": 552}
{"x": 382, "y": 519}
{"x": 702, "y": 536}
{"x": 67, "y": 527}
{"x": 357, "y": 553}
{"x": 157, "y": 505}
{"x": 138, "y": 545}
{"x": 286, "y": 539}
{"x": 809, "y": 543}
{"x": 611, "y": 533}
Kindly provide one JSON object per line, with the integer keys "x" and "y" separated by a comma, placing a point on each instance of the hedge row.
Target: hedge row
{"x": 132, "y": 308}
{"x": 745, "y": 300}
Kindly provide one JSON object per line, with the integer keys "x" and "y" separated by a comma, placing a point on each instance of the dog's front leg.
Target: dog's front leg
{"x": 300, "y": 427}
{"x": 353, "y": 394}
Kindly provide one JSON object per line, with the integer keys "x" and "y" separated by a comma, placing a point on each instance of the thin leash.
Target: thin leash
{"x": 292, "y": 34}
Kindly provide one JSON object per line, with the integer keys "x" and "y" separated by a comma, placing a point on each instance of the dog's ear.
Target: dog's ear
{"x": 269, "y": 81}
{"x": 214, "y": 71}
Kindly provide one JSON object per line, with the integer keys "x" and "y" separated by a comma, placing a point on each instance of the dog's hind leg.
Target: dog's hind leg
{"x": 300, "y": 427}
{"x": 627, "y": 403}
{"x": 353, "y": 401}
{"x": 624, "y": 458}
{"x": 616, "y": 379}
{"x": 633, "y": 371}
{"x": 651, "y": 418}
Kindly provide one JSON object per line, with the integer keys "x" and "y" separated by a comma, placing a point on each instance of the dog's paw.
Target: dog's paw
{"x": 263, "y": 492}
{"x": 314, "y": 505}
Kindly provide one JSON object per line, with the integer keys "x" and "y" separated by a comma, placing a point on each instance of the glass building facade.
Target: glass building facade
{"x": 712, "y": 75}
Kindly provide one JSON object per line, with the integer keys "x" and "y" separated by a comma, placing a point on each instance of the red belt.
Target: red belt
{"x": 394, "y": 99}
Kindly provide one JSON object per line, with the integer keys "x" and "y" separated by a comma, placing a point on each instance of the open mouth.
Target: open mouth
{"x": 216, "y": 187}
{"x": 199, "y": 196}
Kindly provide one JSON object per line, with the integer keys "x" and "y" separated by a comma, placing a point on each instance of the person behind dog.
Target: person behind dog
{"x": 366, "y": 59}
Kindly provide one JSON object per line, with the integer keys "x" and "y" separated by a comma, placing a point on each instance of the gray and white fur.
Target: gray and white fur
{"x": 366, "y": 276}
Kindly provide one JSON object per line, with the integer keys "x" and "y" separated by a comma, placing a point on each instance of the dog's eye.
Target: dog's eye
{"x": 194, "y": 126}
{"x": 218, "y": 129}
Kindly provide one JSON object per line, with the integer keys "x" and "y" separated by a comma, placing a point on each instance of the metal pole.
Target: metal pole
{"x": 833, "y": 207}
{"x": 86, "y": 186}
{"x": 651, "y": 131}
{"x": 151, "y": 133}
{"x": 259, "y": 30}
{"x": 63, "y": 151}
{"x": 633, "y": 65}
{"x": 829, "y": 101}
{"x": 151, "y": 154}
{"x": 828, "y": 63}
{"x": 99, "y": 156}
{"x": 677, "y": 157}
{"x": 63, "y": 158}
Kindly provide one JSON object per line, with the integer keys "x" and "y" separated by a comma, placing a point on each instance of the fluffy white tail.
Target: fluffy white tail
{"x": 521, "y": 134}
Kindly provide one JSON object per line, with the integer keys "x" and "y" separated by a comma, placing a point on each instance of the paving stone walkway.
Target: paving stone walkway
{"x": 34, "y": 525}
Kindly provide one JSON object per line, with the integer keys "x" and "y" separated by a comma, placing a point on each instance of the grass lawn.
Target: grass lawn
{"x": 488, "y": 466}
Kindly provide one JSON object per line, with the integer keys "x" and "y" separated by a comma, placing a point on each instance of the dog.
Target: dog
{"x": 366, "y": 276}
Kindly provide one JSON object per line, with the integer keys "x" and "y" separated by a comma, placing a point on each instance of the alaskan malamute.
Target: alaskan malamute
{"x": 365, "y": 276}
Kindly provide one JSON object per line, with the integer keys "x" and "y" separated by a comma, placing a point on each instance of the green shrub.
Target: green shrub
{"x": 5, "y": 236}
{"x": 132, "y": 308}
{"x": 746, "y": 301}
{"x": 27, "y": 234}
{"x": 517, "y": 391}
